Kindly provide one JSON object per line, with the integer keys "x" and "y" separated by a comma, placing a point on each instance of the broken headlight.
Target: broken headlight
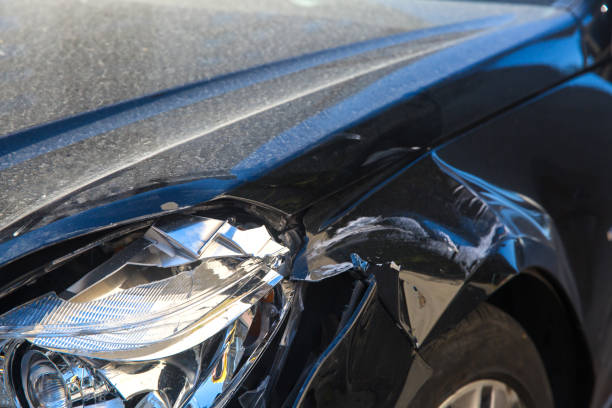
{"x": 176, "y": 314}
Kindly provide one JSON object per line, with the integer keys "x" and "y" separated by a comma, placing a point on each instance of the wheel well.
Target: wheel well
{"x": 540, "y": 307}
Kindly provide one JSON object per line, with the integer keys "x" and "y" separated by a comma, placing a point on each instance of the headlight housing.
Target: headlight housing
{"x": 184, "y": 305}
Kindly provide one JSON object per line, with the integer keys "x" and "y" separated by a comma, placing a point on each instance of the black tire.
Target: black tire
{"x": 487, "y": 344}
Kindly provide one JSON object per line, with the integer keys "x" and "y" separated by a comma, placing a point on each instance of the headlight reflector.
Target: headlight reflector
{"x": 57, "y": 380}
{"x": 45, "y": 385}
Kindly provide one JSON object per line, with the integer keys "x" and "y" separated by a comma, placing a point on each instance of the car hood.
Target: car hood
{"x": 60, "y": 58}
{"x": 106, "y": 100}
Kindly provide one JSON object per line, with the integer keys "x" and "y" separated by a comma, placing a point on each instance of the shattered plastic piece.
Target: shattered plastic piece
{"x": 359, "y": 263}
{"x": 327, "y": 271}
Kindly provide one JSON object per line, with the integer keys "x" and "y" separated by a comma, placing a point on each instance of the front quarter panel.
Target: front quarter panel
{"x": 425, "y": 233}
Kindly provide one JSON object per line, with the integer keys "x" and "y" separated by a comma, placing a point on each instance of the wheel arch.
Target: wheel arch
{"x": 537, "y": 301}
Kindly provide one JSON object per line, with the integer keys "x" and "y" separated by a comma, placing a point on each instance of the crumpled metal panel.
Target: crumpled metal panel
{"x": 424, "y": 251}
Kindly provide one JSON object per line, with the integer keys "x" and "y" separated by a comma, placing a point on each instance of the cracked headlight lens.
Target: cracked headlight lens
{"x": 182, "y": 306}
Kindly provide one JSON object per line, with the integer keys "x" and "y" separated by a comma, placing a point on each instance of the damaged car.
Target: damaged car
{"x": 305, "y": 203}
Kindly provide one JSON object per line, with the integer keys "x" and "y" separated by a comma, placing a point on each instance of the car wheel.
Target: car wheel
{"x": 487, "y": 360}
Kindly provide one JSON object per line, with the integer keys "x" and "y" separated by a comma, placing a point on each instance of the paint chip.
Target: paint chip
{"x": 170, "y": 205}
